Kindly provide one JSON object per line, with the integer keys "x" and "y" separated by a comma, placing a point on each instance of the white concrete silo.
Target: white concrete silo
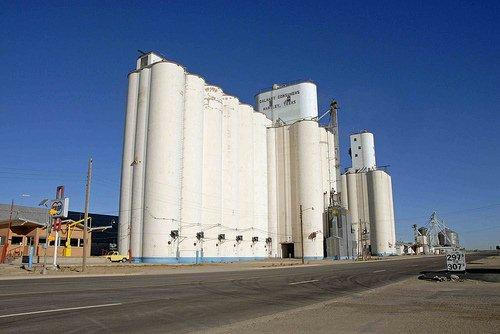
{"x": 380, "y": 213}
{"x": 332, "y": 168}
{"x": 306, "y": 169}
{"x": 325, "y": 167}
{"x": 162, "y": 190}
{"x": 192, "y": 171}
{"x": 246, "y": 180}
{"x": 343, "y": 192}
{"x": 363, "y": 151}
{"x": 352, "y": 203}
{"x": 212, "y": 172}
{"x": 127, "y": 170}
{"x": 230, "y": 172}
{"x": 139, "y": 162}
{"x": 272, "y": 214}
{"x": 260, "y": 217}
{"x": 391, "y": 207}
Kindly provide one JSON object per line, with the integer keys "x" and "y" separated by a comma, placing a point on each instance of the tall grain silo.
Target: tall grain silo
{"x": 260, "y": 217}
{"x": 139, "y": 163}
{"x": 192, "y": 172}
{"x": 343, "y": 192}
{"x": 381, "y": 234}
{"x": 272, "y": 214}
{"x": 306, "y": 169}
{"x": 363, "y": 151}
{"x": 230, "y": 202}
{"x": 332, "y": 168}
{"x": 246, "y": 179}
{"x": 127, "y": 169}
{"x": 162, "y": 190}
{"x": 393, "y": 220}
{"x": 325, "y": 167}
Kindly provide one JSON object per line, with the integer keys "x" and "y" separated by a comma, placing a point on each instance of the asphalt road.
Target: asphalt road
{"x": 186, "y": 302}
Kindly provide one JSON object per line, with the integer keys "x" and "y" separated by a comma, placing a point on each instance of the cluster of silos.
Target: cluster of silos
{"x": 367, "y": 194}
{"x": 301, "y": 172}
{"x": 194, "y": 172}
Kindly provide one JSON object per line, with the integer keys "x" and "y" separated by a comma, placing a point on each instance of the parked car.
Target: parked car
{"x": 114, "y": 256}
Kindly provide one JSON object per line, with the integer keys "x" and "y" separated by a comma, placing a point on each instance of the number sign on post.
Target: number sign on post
{"x": 455, "y": 261}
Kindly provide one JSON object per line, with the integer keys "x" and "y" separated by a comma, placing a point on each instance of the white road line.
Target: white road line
{"x": 303, "y": 282}
{"x": 58, "y": 310}
{"x": 379, "y": 271}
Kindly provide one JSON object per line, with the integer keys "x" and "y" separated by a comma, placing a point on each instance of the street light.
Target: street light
{"x": 302, "y": 230}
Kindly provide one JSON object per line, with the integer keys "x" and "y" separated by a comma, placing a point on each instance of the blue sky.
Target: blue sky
{"x": 422, "y": 76}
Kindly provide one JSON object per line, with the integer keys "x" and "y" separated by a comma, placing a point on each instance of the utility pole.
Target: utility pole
{"x": 86, "y": 214}
{"x": 301, "y": 234}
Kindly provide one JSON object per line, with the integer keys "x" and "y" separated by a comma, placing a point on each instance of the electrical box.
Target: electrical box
{"x": 239, "y": 238}
{"x": 255, "y": 239}
{"x": 221, "y": 237}
{"x": 200, "y": 235}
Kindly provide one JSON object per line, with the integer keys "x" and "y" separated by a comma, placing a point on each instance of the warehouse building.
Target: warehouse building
{"x": 206, "y": 178}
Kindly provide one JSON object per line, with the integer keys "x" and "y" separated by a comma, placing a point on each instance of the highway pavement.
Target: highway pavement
{"x": 187, "y": 302}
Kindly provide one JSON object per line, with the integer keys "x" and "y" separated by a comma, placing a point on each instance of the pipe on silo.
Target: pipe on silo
{"x": 127, "y": 159}
{"x": 352, "y": 203}
{"x": 162, "y": 191}
{"x": 391, "y": 206}
{"x": 192, "y": 171}
{"x": 139, "y": 162}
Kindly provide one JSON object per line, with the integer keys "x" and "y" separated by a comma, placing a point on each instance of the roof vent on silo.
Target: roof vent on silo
{"x": 148, "y": 58}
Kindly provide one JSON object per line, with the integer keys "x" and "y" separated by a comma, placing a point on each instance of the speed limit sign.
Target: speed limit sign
{"x": 455, "y": 261}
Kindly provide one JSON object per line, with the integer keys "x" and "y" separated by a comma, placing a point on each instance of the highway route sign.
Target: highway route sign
{"x": 455, "y": 261}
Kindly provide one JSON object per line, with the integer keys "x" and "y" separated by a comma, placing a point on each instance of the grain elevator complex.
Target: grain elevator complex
{"x": 206, "y": 178}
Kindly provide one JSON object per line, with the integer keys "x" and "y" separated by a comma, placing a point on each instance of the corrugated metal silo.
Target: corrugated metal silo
{"x": 162, "y": 190}
{"x": 212, "y": 172}
{"x": 139, "y": 165}
{"x": 127, "y": 158}
{"x": 192, "y": 171}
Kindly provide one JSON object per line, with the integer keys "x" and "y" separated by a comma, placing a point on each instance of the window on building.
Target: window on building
{"x": 73, "y": 242}
{"x": 52, "y": 242}
{"x": 359, "y": 147}
{"x": 62, "y": 242}
{"x": 17, "y": 240}
{"x": 81, "y": 243}
{"x": 355, "y": 155}
{"x": 2, "y": 238}
{"x": 355, "y": 139}
{"x": 42, "y": 240}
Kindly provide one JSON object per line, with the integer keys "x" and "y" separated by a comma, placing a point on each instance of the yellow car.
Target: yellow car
{"x": 117, "y": 257}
